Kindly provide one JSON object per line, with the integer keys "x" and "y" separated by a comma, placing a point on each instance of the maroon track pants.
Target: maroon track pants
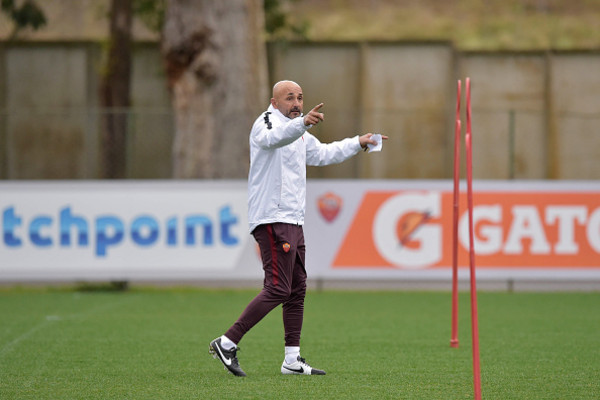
{"x": 282, "y": 250}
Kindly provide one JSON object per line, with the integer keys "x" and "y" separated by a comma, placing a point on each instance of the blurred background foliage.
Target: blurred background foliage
{"x": 469, "y": 24}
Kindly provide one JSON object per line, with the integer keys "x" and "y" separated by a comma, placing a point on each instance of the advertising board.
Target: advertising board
{"x": 391, "y": 230}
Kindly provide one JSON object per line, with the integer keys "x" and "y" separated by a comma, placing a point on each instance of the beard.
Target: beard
{"x": 294, "y": 110}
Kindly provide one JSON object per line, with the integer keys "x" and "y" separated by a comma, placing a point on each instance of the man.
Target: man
{"x": 280, "y": 149}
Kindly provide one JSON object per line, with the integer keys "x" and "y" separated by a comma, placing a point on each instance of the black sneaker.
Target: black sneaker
{"x": 227, "y": 357}
{"x": 299, "y": 367}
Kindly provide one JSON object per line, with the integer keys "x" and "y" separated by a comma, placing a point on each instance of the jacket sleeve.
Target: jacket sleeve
{"x": 319, "y": 154}
{"x": 268, "y": 136}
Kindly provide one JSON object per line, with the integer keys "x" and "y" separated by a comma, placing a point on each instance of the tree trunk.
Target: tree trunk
{"x": 217, "y": 71}
{"x": 114, "y": 91}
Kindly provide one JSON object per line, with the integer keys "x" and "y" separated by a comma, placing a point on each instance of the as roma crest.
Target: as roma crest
{"x": 330, "y": 205}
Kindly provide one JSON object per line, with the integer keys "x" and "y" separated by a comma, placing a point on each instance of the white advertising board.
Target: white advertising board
{"x": 390, "y": 230}
{"x": 403, "y": 229}
{"x": 122, "y": 230}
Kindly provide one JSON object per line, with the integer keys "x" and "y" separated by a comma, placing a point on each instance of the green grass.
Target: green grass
{"x": 152, "y": 344}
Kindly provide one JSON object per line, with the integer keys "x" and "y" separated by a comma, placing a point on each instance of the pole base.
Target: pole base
{"x": 454, "y": 343}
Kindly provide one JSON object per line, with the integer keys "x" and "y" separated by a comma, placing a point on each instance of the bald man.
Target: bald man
{"x": 280, "y": 149}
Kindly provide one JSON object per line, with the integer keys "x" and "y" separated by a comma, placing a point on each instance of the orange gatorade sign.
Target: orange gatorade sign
{"x": 413, "y": 230}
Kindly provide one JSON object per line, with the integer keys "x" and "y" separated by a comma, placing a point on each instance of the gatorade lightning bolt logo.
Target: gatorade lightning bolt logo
{"x": 286, "y": 247}
{"x": 329, "y": 205}
{"x": 408, "y": 224}
{"x": 404, "y": 229}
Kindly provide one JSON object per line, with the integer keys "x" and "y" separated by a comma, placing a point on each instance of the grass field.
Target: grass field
{"x": 152, "y": 344}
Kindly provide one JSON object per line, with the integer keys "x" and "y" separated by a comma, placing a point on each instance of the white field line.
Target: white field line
{"x": 49, "y": 319}
{"x": 7, "y": 348}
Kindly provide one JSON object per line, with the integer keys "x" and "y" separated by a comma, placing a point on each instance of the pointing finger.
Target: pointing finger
{"x": 317, "y": 107}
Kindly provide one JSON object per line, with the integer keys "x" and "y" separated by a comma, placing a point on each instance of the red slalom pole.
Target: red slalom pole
{"x": 454, "y": 334}
{"x": 474, "y": 324}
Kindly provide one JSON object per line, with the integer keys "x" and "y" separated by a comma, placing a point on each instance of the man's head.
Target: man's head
{"x": 288, "y": 98}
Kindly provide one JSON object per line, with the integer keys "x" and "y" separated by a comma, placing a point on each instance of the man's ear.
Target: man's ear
{"x": 273, "y": 102}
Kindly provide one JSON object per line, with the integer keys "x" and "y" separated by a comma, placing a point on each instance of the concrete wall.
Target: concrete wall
{"x": 51, "y": 120}
{"x": 500, "y": 83}
{"x": 575, "y": 115}
{"x": 150, "y": 144}
{"x": 406, "y": 96}
{"x": 46, "y": 96}
{"x": 398, "y": 90}
{"x": 535, "y": 115}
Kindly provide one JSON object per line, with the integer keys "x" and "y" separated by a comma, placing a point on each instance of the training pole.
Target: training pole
{"x": 474, "y": 327}
{"x": 454, "y": 335}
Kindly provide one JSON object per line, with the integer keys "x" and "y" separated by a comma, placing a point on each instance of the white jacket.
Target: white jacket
{"x": 280, "y": 149}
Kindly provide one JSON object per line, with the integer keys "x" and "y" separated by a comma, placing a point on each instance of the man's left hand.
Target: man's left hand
{"x": 366, "y": 139}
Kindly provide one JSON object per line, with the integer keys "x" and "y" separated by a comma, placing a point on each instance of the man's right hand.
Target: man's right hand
{"x": 314, "y": 116}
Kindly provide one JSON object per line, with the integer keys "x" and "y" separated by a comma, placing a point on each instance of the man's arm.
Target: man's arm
{"x": 319, "y": 154}
{"x": 269, "y": 137}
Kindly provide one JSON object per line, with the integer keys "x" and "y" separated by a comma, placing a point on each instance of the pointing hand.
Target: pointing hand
{"x": 314, "y": 116}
